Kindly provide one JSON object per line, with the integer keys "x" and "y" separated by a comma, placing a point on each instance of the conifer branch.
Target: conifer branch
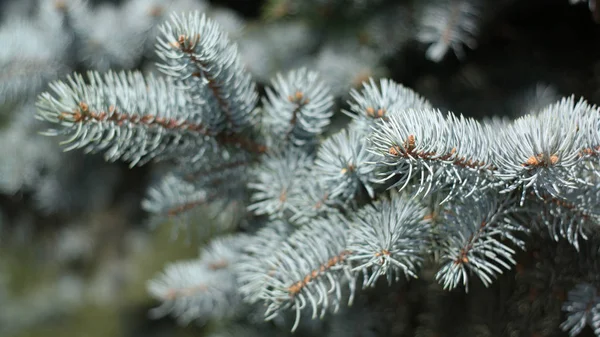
{"x": 582, "y": 308}
{"x": 326, "y": 218}
{"x": 132, "y": 118}
{"x": 449, "y": 24}
{"x": 388, "y": 239}
{"x": 475, "y": 240}
{"x": 311, "y": 267}
{"x": 201, "y": 58}
{"x": 203, "y": 288}
{"x": 298, "y": 107}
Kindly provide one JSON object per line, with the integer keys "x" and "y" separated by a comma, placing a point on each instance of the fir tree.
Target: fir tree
{"x": 335, "y": 219}
{"x": 465, "y": 188}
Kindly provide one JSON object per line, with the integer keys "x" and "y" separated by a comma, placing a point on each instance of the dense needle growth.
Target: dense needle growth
{"x": 403, "y": 188}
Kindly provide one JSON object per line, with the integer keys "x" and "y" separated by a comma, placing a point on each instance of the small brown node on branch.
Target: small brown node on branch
{"x": 533, "y": 161}
{"x": 283, "y": 196}
{"x": 298, "y": 98}
{"x": 295, "y": 288}
{"x": 180, "y": 42}
{"x": 147, "y": 119}
{"x": 462, "y": 257}
{"x": 407, "y": 148}
{"x": 375, "y": 114}
{"x": 540, "y": 160}
{"x": 409, "y": 144}
{"x": 395, "y": 150}
{"x": 590, "y": 151}
{"x": 449, "y": 155}
{"x": 83, "y": 107}
{"x": 587, "y": 152}
{"x": 64, "y": 115}
{"x": 221, "y": 264}
{"x": 380, "y": 255}
{"x": 349, "y": 168}
{"x": 182, "y": 39}
{"x": 383, "y": 252}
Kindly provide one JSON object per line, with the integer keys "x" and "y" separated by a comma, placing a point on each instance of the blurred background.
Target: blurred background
{"x": 76, "y": 249}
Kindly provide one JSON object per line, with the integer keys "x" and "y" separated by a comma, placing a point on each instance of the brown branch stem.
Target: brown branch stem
{"x": 296, "y": 287}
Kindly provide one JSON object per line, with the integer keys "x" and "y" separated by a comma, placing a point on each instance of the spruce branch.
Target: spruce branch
{"x": 298, "y": 107}
{"x": 189, "y": 291}
{"x": 278, "y": 181}
{"x": 575, "y": 214}
{"x": 201, "y": 59}
{"x": 376, "y": 102}
{"x": 314, "y": 201}
{"x": 310, "y": 268}
{"x": 478, "y": 234}
{"x": 345, "y": 166}
{"x": 203, "y": 288}
{"x": 130, "y": 117}
{"x": 543, "y": 151}
{"x": 421, "y": 147}
{"x": 181, "y": 202}
{"x": 388, "y": 238}
{"x": 252, "y": 268}
{"x": 582, "y": 308}
{"x": 464, "y": 176}
{"x": 174, "y": 198}
{"x": 449, "y": 24}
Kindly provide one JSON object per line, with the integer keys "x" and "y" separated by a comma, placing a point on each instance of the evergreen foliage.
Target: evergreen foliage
{"x": 405, "y": 188}
{"x": 396, "y": 141}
